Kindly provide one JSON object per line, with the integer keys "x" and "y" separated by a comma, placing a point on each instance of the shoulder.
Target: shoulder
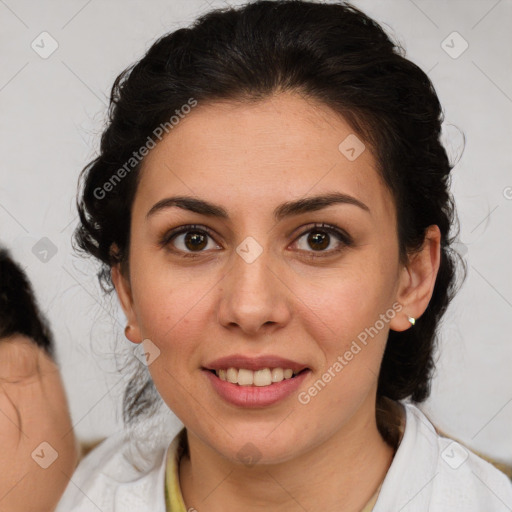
{"x": 435, "y": 473}
{"x": 124, "y": 472}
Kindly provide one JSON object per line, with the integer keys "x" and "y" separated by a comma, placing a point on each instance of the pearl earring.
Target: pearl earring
{"x": 411, "y": 319}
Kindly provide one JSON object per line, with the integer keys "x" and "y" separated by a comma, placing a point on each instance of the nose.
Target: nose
{"x": 254, "y": 298}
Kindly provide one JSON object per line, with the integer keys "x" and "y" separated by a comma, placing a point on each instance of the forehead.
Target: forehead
{"x": 262, "y": 153}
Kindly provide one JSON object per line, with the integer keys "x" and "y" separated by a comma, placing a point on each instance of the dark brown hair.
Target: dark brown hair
{"x": 19, "y": 310}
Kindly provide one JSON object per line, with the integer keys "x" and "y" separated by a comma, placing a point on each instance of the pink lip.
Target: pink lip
{"x": 254, "y": 363}
{"x": 255, "y": 396}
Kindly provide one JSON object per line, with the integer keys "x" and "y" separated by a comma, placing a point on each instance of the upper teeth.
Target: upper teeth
{"x": 244, "y": 377}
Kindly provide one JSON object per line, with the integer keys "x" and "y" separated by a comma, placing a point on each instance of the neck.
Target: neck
{"x": 347, "y": 468}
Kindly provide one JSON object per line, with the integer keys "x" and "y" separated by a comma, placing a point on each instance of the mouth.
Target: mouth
{"x": 256, "y": 378}
{"x": 257, "y": 388}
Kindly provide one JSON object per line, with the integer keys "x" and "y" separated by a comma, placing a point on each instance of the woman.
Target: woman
{"x": 38, "y": 446}
{"x": 271, "y": 203}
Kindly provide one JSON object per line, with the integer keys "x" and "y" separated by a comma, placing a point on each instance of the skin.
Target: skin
{"x": 250, "y": 158}
{"x": 33, "y": 410}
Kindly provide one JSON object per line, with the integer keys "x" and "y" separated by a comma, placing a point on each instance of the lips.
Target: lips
{"x": 254, "y": 396}
{"x": 254, "y": 363}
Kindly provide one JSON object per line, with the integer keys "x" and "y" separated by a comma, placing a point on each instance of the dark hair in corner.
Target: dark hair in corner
{"x": 331, "y": 53}
{"x": 19, "y": 312}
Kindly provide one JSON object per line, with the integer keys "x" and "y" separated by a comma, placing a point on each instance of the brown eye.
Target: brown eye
{"x": 187, "y": 240}
{"x": 319, "y": 238}
{"x": 195, "y": 241}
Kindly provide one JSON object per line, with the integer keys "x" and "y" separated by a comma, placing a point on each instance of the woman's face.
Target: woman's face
{"x": 263, "y": 280}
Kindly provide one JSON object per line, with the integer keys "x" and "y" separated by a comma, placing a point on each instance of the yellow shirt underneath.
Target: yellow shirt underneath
{"x": 173, "y": 497}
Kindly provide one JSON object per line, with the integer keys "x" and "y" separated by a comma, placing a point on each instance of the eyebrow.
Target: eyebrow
{"x": 284, "y": 210}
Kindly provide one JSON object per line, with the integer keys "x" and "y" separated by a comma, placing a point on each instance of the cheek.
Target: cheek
{"x": 172, "y": 309}
{"x": 344, "y": 303}
{"x": 347, "y": 326}
{"x": 168, "y": 299}
{"x": 348, "y": 316}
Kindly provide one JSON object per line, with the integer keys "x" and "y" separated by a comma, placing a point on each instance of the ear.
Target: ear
{"x": 417, "y": 280}
{"x": 124, "y": 293}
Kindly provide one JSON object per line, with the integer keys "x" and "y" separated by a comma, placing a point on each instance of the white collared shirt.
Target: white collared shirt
{"x": 429, "y": 473}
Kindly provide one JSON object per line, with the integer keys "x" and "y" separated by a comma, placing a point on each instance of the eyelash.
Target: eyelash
{"x": 343, "y": 237}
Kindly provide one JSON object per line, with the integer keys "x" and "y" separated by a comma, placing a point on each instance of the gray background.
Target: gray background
{"x": 52, "y": 114}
